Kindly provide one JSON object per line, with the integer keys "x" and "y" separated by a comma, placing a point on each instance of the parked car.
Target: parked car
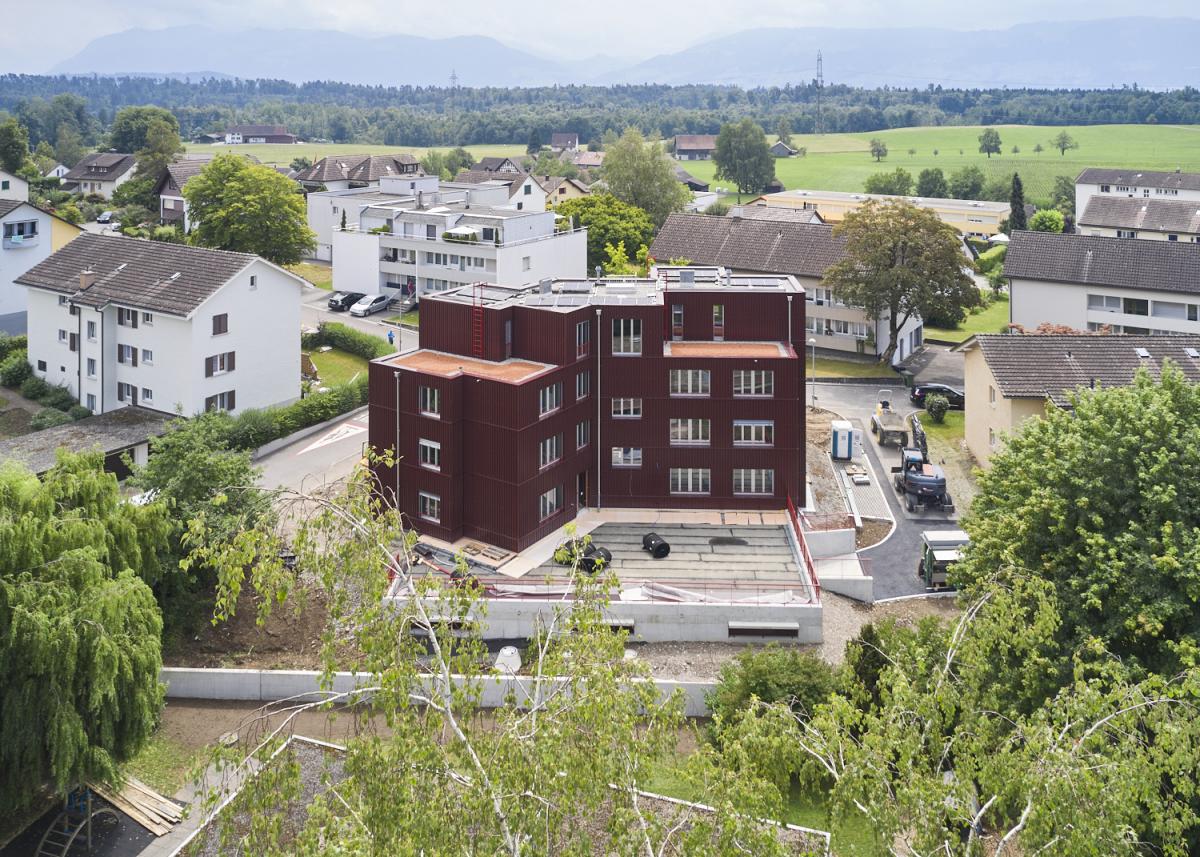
{"x": 371, "y": 304}
{"x": 954, "y": 397}
{"x": 105, "y": 217}
{"x": 342, "y": 301}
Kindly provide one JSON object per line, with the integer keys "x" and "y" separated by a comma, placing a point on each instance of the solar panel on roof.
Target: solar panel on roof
{"x": 576, "y": 287}
{"x": 540, "y": 300}
{"x": 572, "y": 300}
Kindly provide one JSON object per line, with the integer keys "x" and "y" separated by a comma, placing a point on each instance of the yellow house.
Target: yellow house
{"x": 559, "y": 189}
{"x": 971, "y": 217}
{"x": 61, "y": 232}
{"x": 1009, "y": 378}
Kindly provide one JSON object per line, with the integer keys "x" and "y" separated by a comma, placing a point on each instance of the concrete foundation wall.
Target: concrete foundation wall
{"x": 859, "y": 588}
{"x": 823, "y": 543}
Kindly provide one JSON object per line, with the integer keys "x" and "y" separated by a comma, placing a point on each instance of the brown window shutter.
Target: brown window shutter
{"x": 120, "y": 392}
{"x": 74, "y": 342}
{"x": 229, "y": 361}
{"x": 208, "y": 366}
{"x": 120, "y": 353}
{"x": 231, "y": 400}
{"x": 209, "y": 403}
{"x": 133, "y": 356}
{"x": 133, "y": 317}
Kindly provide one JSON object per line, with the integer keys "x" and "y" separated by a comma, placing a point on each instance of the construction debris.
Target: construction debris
{"x": 142, "y": 804}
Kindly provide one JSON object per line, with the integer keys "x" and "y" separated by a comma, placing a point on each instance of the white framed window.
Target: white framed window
{"x": 62, "y": 336}
{"x": 690, "y": 382}
{"x": 147, "y": 356}
{"x": 992, "y": 438}
{"x": 753, "y": 481}
{"x": 1104, "y": 303}
{"x": 691, "y": 432}
{"x": 626, "y": 456}
{"x": 147, "y": 394}
{"x": 583, "y": 434}
{"x": 753, "y": 432}
{"x": 627, "y": 336}
{"x": 127, "y": 354}
{"x": 128, "y": 393}
{"x": 253, "y": 281}
{"x": 550, "y": 450}
{"x": 62, "y": 300}
{"x": 429, "y": 506}
{"x": 991, "y": 395}
{"x": 429, "y": 454}
{"x": 525, "y": 264}
{"x": 753, "y": 382}
{"x": 91, "y": 331}
{"x": 91, "y": 367}
{"x": 91, "y": 401}
{"x": 549, "y": 503}
{"x": 627, "y": 409}
{"x": 226, "y": 401}
{"x": 429, "y": 401}
{"x": 583, "y": 338}
{"x": 550, "y": 398}
{"x": 691, "y": 480}
{"x": 718, "y": 322}
{"x": 583, "y": 384}
{"x": 148, "y": 317}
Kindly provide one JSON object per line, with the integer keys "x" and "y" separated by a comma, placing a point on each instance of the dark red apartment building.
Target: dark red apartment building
{"x": 523, "y": 405}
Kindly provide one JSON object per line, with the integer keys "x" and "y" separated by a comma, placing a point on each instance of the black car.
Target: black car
{"x": 342, "y": 301}
{"x": 920, "y": 391}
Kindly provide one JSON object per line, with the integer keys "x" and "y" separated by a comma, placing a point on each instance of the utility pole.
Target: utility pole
{"x": 820, "y": 86}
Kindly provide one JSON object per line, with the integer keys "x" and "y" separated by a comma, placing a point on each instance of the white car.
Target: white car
{"x": 371, "y": 304}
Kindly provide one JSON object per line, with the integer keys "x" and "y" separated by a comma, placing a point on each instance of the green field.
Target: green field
{"x": 843, "y": 161}
{"x": 337, "y": 367}
{"x": 283, "y": 154}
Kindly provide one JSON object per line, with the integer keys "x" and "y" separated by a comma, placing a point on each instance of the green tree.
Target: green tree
{"x": 1062, "y": 196}
{"x": 79, "y": 629}
{"x": 300, "y": 163}
{"x": 433, "y": 163}
{"x": 743, "y": 157}
{"x": 898, "y": 182}
{"x": 1047, "y": 220}
{"x": 800, "y": 680}
{"x": 641, "y": 174}
{"x": 457, "y": 159}
{"x": 1038, "y": 149}
{"x": 162, "y": 147}
{"x": 901, "y": 261}
{"x": 936, "y": 406}
{"x": 43, "y": 156}
{"x": 68, "y": 145}
{"x": 237, "y": 205}
{"x": 131, "y": 127}
{"x": 783, "y": 131}
{"x": 535, "y": 142}
{"x": 1064, "y": 141}
{"x": 989, "y": 142}
{"x": 1016, "y": 205}
{"x": 14, "y": 145}
{"x": 879, "y": 149}
{"x": 609, "y": 222}
{"x": 967, "y": 183}
{"x": 931, "y": 184}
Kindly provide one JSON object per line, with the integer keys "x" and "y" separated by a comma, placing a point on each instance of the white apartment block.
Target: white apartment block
{"x": 28, "y": 236}
{"x": 1134, "y": 184}
{"x": 124, "y": 321}
{"x": 1135, "y": 217}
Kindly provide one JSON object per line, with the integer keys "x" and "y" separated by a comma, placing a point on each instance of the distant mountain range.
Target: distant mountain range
{"x": 1155, "y": 53}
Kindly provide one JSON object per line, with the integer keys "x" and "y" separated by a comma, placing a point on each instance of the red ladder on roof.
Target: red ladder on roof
{"x": 477, "y": 320}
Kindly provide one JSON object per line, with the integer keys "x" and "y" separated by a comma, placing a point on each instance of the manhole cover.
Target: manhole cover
{"x": 727, "y": 541}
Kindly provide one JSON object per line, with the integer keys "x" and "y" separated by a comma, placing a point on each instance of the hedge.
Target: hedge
{"x": 14, "y": 369}
{"x": 346, "y": 339}
{"x": 991, "y": 259}
{"x": 251, "y": 429}
{"x": 9, "y": 344}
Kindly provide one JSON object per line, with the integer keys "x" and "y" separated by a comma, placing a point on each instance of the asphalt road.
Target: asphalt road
{"x": 318, "y": 460}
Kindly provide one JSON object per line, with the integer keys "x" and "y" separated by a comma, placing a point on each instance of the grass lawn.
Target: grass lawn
{"x": 990, "y": 319}
{"x": 163, "y": 764}
{"x": 320, "y": 276}
{"x": 283, "y": 154}
{"x": 950, "y": 431}
{"x": 832, "y": 367}
{"x": 843, "y": 161}
{"x": 337, "y": 367}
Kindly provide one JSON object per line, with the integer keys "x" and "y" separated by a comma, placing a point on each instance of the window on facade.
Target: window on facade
{"x": 20, "y": 230}
{"x": 41, "y": 364}
{"x": 431, "y": 230}
{"x": 128, "y": 393}
{"x": 91, "y": 401}
{"x": 1172, "y": 237}
{"x": 226, "y": 401}
{"x": 626, "y": 456}
{"x": 1104, "y": 303}
{"x": 753, "y": 481}
{"x": 1135, "y": 306}
{"x": 583, "y": 384}
{"x": 525, "y": 263}
{"x": 753, "y": 432}
{"x": 148, "y": 356}
{"x": 127, "y": 354}
{"x": 62, "y": 300}
{"x": 254, "y": 281}
{"x": 629, "y": 409}
{"x": 550, "y": 398}
{"x": 1105, "y": 188}
{"x": 549, "y": 503}
{"x": 91, "y": 367}
{"x": 627, "y": 336}
{"x": 429, "y": 453}
{"x": 753, "y": 382}
{"x": 220, "y": 324}
{"x": 219, "y": 364}
{"x": 429, "y": 506}
{"x": 1126, "y": 233}
{"x": 91, "y": 330}
{"x": 992, "y": 438}
{"x": 991, "y": 395}
{"x": 429, "y": 401}
{"x": 690, "y": 431}
{"x": 718, "y": 322}
{"x": 528, "y": 189}
{"x": 62, "y": 335}
{"x": 690, "y": 382}
{"x": 148, "y": 317}
{"x": 147, "y": 394}
{"x": 583, "y": 434}
{"x": 550, "y": 450}
{"x": 583, "y": 338}
{"x": 1169, "y": 309}
{"x": 129, "y": 317}
{"x": 677, "y": 321}
{"x": 691, "y": 480}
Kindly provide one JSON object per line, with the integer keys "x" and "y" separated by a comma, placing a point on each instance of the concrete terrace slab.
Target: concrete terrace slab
{"x": 868, "y": 498}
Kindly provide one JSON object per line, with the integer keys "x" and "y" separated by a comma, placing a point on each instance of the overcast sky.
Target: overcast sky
{"x": 52, "y": 30}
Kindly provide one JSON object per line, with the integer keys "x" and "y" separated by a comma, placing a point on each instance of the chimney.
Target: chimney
{"x": 86, "y": 278}
{"x": 420, "y": 199}
{"x": 736, "y": 212}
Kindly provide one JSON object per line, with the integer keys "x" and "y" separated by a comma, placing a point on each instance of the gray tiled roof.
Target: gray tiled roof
{"x": 8, "y": 206}
{"x": 258, "y": 130}
{"x": 695, "y": 141}
{"x": 1157, "y": 215}
{"x": 133, "y": 272}
{"x": 763, "y": 246}
{"x": 775, "y": 212}
{"x": 112, "y": 432}
{"x": 491, "y": 164}
{"x": 113, "y": 164}
{"x": 1140, "y": 178}
{"x": 1052, "y": 365}
{"x": 480, "y": 176}
{"x": 1172, "y": 266}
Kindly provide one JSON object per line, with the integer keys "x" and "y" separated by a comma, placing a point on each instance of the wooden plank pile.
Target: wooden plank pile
{"x": 144, "y": 805}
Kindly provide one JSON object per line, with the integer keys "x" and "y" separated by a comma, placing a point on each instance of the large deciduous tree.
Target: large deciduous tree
{"x": 1064, "y": 141}
{"x": 131, "y": 127}
{"x": 931, "y": 183}
{"x": 14, "y": 145}
{"x": 879, "y": 149}
{"x": 989, "y": 142}
{"x": 238, "y": 205}
{"x": 609, "y": 222}
{"x": 161, "y": 148}
{"x": 743, "y": 157}
{"x": 641, "y": 174}
{"x": 901, "y": 262}
{"x": 79, "y": 628}
{"x": 967, "y": 183}
{"x": 899, "y": 182}
{"x": 1016, "y": 205}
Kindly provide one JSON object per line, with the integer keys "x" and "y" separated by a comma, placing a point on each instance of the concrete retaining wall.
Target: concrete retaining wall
{"x": 860, "y": 588}
{"x": 823, "y": 543}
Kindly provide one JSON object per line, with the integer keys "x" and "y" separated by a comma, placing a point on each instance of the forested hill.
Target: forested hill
{"x": 430, "y": 116}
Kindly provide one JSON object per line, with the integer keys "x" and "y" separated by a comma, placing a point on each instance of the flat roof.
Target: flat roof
{"x": 965, "y": 205}
{"x": 112, "y": 432}
{"x": 453, "y": 365}
{"x": 727, "y": 349}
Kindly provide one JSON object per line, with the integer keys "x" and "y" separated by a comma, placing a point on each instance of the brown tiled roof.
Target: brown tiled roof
{"x": 588, "y": 159}
{"x": 1172, "y": 266}
{"x": 1158, "y": 215}
{"x": 113, "y": 164}
{"x": 8, "y": 206}
{"x": 133, "y": 272}
{"x": 761, "y": 246}
{"x": 695, "y": 141}
{"x": 775, "y": 212}
{"x": 1139, "y": 178}
{"x": 358, "y": 168}
{"x": 562, "y": 140}
{"x": 1052, "y": 365}
{"x": 479, "y": 176}
{"x": 259, "y": 130}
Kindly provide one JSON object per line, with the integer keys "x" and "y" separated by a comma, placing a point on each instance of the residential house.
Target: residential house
{"x": 169, "y": 327}
{"x": 342, "y": 172}
{"x": 28, "y": 235}
{"x": 975, "y": 218}
{"x": 525, "y": 192}
{"x": 1088, "y": 282}
{"x": 1009, "y": 378}
{"x": 238, "y": 134}
{"x": 1137, "y": 184}
{"x": 331, "y": 210}
{"x": 172, "y": 207}
{"x": 780, "y": 149}
{"x": 586, "y": 160}
{"x": 800, "y": 250}
{"x": 524, "y": 405}
{"x": 559, "y": 189}
{"x": 772, "y": 212}
{"x": 56, "y": 172}
{"x": 1156, "y": 219}
{"x": 13, "y": 187}
{"x": 693, "y": 184}
{"x": 695, "y": 147}
{"x": 100, "y": 173}
{"x": 563, "y": 142}
{"x": 497, "y": 165}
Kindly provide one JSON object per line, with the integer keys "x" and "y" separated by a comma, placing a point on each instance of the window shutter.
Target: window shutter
{"x": 74, "y": 342}
{"x": 208, "y": 366}
{"x": 231, "y": 400}
{"x": 133, "y": 317}
{"x": 120, "y": 353}
{"x": 230, "y": 361}
{"x": 132, "y": 356}
{"x": 210, "y": 403}
{"x": 120, "y": 392}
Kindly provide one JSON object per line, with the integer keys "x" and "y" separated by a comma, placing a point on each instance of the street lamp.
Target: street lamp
{"x": 812, "y": 343}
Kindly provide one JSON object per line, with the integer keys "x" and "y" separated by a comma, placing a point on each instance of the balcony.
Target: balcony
{"x": 16, "y": 242}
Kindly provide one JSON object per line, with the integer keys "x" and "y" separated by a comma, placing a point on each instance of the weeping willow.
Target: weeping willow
{"x": 80, "y": 631}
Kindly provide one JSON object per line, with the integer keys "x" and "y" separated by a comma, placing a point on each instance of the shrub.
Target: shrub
{"x": 48, "y": 418}
{"x": 59, "y": 398}
{"x": 773, "y": 674}
{"x": 34, "y": 388}
{"x": 991, "y": 259}
{"x": 78, "y": 412}
{"x": 9, "y": 344}
{"x": 251, "y": 429}
{"x": 14, "y": 369}
{"x": 936, "y": 406}
{"x": 353, "y": 341}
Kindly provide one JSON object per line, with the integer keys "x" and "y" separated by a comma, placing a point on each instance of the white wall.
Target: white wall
{"x": 1033, "y": 303}
{"x": 16, "y": 259}
{"x": 1083, "y": 192}
{"x": 564, "y": 256}
{"x": 358, "y": 259}
{"x": 45, "y": 319}
{"x": 17, "y": 188}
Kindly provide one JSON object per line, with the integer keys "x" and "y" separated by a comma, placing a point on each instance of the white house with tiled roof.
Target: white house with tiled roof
{"x": 124, "y": 321}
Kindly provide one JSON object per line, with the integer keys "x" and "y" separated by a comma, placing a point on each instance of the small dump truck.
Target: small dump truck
{"x": 940, "y": 549}
{"x": 886, "y": 424}
{"x": 922, "y": 484}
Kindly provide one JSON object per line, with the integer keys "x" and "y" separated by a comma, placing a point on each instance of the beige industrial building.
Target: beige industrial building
{"x": 971, "y": 217}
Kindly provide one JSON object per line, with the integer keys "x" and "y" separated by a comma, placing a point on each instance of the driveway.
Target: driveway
{"x": 317, "y": 460}
{"x": 937, "y": 364}
{"x": 314, "y": 309}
